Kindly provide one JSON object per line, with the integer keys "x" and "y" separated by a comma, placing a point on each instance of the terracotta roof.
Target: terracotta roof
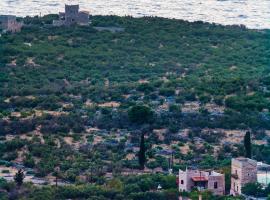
{"x": 199, "y": 178}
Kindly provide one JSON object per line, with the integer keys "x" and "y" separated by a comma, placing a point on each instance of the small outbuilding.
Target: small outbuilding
{"x": 9, "y": 23}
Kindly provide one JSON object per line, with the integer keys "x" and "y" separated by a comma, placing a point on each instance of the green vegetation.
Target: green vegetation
{"x": 137, "y": 188}
{"x": 256, "y": 190}
{"x": 75, "y": 102}
{"x": 142, "y": 158}
{"x": 194, "y": 195}
{"x": 19, "y": 176}
{"x": 247, "y": 144}
{"x": 143, "y": 187}
{"x": 140, "y": 114}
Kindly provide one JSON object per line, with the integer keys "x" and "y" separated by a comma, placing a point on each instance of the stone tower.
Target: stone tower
{"x": 71, "y": 14}
{"x": 10, "y": 24}
{"x": 243, "y": 171}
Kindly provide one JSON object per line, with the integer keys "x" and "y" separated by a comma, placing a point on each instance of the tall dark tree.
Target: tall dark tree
{"x": 140, "y": 114}
{"x": 142, "y": 157}
{"x": 247, "y": 143}
{"x": 19, "y": 177}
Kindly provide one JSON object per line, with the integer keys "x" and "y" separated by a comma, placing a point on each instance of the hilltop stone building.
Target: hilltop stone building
{"x": 8, "y": 23}
{"x": 243, "y": 171}
{"x": 202, "y": 180}
{"x": 72, "y": 16}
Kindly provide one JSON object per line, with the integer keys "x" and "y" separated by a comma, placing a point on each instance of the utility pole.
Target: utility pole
{"x": 266, "y": 179}
{"x": 57, "y": 170}
{"x": 200, "y": 186}
{"x": 91, "y": 174}
{"x": 172, "y": 160}
{"x": 169, "y": 164}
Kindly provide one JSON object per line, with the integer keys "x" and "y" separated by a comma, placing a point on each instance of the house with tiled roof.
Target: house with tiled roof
{"x": 202, "y": 180}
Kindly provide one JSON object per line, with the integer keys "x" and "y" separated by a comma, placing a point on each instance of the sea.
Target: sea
{"x": 254, "y": 14}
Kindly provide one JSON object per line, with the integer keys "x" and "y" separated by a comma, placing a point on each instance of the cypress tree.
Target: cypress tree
{"x": 247, "y": 143}
{"x": 18, "y": 178}
{"x": 142, "y": 157}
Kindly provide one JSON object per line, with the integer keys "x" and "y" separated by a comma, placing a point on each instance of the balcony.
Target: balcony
{"x": 235, "y": 176}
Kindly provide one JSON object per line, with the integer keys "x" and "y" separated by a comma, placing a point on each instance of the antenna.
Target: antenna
{"x": 266, "y": 181}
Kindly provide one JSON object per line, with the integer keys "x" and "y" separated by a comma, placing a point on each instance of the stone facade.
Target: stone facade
{"x": 243, "y": 171}
{"x": 212, "y": 181}
{"x": 8, "y": 23}
{"x": 72, "y": 16}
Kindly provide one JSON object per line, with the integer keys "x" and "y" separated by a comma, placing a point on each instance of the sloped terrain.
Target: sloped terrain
{"x": 65, "y": 94}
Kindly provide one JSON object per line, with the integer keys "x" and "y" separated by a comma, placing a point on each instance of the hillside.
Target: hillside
{"x": 65, "y": 94}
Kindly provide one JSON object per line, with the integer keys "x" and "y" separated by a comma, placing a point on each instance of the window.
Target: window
{"x": 237, "y": 189}
{"x": 215, "y": 185}
{"x": 236, "y": 172}
{"x": 182, "y": 182}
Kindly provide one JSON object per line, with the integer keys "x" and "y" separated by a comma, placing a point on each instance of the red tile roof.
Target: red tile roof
{"x": 199, "y": 178}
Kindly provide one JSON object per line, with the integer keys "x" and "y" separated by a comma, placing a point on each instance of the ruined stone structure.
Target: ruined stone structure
{"x": 8, "y": 23}
{"x": 72, "y": 16}
{"x": 202, "y": 180}
{"x": 243, "y": 171}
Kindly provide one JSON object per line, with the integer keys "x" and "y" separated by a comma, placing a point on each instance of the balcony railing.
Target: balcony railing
{"x": 199, "y": 188}
{"x": 235, "y": 176}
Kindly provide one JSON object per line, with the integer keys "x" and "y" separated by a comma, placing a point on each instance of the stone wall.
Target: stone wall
{"x": 216, "y": 184}
{"x": 216, "y": 181}
{"x": 9, "y": 23}
{"x": 243, "y": 171}
{"x": 183, "y": 181}
{"x": 83, "y": 18}
{"x": 72, "y": 16}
